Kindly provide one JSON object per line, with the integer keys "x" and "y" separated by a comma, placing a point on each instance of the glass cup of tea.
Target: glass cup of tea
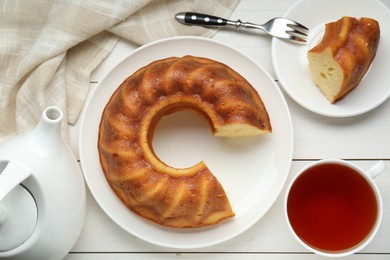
{"x": 334, "y": 208}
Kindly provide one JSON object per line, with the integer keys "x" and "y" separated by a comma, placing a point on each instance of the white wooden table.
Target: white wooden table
{"x": 362, "y": 139}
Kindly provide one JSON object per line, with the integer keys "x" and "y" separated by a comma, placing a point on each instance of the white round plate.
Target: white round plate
{"x": 292, "y": 68}
{"x": 251, "y": 170}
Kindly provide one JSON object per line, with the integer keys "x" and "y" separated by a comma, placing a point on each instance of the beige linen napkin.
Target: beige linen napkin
{"x": 48, "y": 48}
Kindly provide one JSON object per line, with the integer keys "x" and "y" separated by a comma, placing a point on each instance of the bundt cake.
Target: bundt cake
{"x": 185, "y": 197}
{"x": 339, "y": 62}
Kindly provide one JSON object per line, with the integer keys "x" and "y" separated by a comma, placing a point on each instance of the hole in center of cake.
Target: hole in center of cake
{"x": 181, "y": 139}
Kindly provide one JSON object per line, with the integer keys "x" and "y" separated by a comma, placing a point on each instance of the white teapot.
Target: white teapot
{"x": 42, "y": 193}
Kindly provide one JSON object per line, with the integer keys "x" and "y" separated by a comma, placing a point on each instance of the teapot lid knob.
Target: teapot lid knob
{"x": 18, "y": 218}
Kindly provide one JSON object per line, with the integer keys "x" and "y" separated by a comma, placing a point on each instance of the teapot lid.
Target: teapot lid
{"x": 18, "y": 218}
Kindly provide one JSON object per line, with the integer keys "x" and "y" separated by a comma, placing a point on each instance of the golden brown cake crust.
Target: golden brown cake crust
{"x": 353, "y": 44}
{"x": 190, "y": 197}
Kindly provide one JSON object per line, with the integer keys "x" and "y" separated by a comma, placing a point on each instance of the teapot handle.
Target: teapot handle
{"x": 12, "y": 175}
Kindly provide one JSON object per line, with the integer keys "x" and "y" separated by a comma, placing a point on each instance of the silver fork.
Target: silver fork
{"x": 277, "y": 27}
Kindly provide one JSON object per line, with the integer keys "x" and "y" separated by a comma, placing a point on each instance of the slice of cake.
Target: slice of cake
{"x": 339, "y": 62}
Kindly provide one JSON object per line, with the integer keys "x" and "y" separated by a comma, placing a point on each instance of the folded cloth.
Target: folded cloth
{"x": 48, "y": 48}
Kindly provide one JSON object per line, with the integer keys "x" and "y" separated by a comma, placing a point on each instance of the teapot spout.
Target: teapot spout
{"x": 50, "y": 121}
{"x": 47, "y": 133}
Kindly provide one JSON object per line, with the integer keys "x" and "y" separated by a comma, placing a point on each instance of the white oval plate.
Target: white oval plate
{"x": 251, "y": 170}
{"x": 292, "y": 68}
